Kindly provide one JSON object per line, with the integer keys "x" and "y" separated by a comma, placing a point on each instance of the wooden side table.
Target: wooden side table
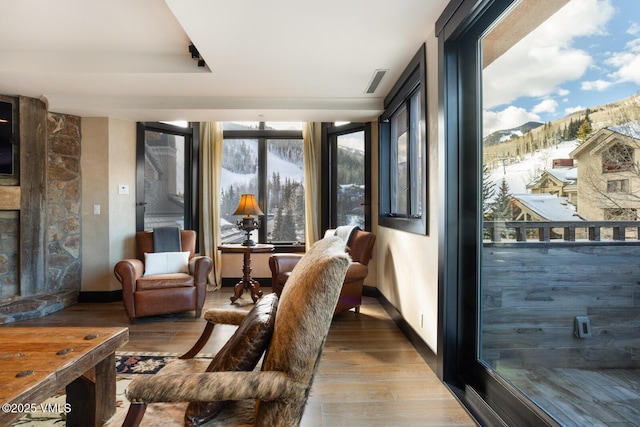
{"x": 246, "y": 282}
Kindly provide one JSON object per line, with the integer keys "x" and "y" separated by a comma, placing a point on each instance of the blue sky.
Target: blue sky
{"x": 586, "y": 54}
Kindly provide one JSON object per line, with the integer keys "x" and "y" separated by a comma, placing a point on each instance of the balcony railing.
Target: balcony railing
{"x": 561, "y": 231}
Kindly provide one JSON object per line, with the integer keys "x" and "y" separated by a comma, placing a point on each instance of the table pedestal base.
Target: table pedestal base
{"x": 247, "y": 282}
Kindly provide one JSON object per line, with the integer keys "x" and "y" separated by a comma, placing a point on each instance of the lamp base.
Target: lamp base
{"x": 248, "y": 224}
{"x": 248, "y": 242}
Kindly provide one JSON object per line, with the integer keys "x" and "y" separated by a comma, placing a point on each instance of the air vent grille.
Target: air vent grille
{"x": 375, "y": 81}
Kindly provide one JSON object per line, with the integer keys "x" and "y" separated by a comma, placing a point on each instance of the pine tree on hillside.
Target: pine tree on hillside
{"x": 502, "y": 205}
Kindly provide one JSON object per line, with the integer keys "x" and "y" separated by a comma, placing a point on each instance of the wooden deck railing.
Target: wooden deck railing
{"x": 561, "y": 231}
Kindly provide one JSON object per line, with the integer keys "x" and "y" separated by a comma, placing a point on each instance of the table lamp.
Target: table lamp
{"x": 247, "y": 208}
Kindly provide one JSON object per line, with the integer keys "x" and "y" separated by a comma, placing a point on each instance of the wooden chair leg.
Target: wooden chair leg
{"x": 135, "y": 414}
{"x": 204, "y": 338}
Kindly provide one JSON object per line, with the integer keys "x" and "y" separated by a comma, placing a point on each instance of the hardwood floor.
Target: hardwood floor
{"x": 582, "y": 397}
{"x": 369, "y": 373}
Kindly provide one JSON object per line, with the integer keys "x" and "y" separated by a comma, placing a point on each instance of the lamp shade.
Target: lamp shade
{"x": 248, "y": 206}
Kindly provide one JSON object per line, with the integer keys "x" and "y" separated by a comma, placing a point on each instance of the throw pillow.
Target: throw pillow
{"x": 241, "y": 353}
{"x": 166, "y": 263}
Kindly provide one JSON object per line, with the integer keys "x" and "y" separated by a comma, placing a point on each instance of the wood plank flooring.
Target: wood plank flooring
{"x": 369, "y": 373}
{"x": 582, "y": 397}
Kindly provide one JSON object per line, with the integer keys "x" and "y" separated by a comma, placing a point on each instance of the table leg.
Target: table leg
{"x": 247, "y": 282}
{"x": 92, "y": 397}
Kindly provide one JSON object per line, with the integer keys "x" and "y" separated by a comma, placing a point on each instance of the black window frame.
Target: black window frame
{"x": 412, "y": 80}
{"x": 191, "y": 133}
{"x": 329, "y": 173}
{"x": 489, "y": 398}
{"x": 263, "y": 135}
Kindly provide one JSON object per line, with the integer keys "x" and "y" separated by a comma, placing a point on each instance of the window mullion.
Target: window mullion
{"x": 262, "y": 186}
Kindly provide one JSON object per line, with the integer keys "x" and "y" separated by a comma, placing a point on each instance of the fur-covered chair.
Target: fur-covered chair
{"x": 277, "y": 394}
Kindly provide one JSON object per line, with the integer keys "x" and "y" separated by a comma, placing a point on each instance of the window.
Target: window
{"x": 617, "y": 158}
{"x": 264, "y": 159}
{"x": 618, "y": 186}
{"x": 167, "y": 170}
{"x": 346, "y": 175}
{"x": 402, "y": 151}
{"x": 505, "y": 63}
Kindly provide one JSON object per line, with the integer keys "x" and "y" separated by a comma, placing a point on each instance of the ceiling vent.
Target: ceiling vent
{"x": 375, "y": 81}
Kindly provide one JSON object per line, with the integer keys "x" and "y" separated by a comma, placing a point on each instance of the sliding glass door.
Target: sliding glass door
{"x": 542, "y": 119}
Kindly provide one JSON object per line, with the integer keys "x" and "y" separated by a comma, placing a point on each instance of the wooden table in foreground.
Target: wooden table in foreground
{"x": 35, "y": 363}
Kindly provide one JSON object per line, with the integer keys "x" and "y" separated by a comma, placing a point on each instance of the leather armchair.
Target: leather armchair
{"x": 163, "y": 293}
{"x": 360, "y": 249}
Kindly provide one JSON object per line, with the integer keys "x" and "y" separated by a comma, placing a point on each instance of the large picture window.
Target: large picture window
{"x": 525, "y": 97}
{"x": 402, "y": 160}
{"x": 264, "y": 159}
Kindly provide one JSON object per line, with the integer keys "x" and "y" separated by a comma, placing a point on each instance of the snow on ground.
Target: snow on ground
{"x": 275, "y": 164}
{"x": 518, "y": 175}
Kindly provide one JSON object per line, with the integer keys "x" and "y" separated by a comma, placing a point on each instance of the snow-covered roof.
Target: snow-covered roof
{"x": 548, "y": 206}
{"x": 567, "y": 175}
{"x": 631, "y": 129}
{"x": 564, "y": 174}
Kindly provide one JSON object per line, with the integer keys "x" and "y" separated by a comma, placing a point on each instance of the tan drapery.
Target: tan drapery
{"x": 211, "y": 172}
{"x": 311, "y": 137}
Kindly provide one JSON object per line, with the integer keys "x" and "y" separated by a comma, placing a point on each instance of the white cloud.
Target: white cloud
{"x": 562, "y": 92}
{"x": 634, "y": 29}
{"x": 627, "y": 63}
{"x": 545, "y": 59}
{"x": 546, "y": 106}
{"x": 598, "y": 85}
{"x": 574, "y": 109}
{"x": 508, "y": 118}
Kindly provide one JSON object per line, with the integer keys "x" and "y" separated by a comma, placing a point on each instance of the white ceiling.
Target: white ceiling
{"x": 278, "y": 60}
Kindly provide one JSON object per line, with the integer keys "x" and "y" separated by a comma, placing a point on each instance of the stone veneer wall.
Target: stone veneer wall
{"x": 63, "y": 203}
{"x": 9, "y": 239}
{"x": 63, "y": 235}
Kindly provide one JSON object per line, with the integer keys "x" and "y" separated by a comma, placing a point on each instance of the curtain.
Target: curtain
{"x": 311, "y": 137}
{"x": 211, "y": 172}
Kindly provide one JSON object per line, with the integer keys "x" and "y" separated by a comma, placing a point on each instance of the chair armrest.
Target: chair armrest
{"x": 199, "y": 268}
{"x": 223, "y": 316}
{"x": 128, "y": 271}
{"x": 213, "y": 386}
{"x": 356, "y": 271}
{"x": 282, "y": 263}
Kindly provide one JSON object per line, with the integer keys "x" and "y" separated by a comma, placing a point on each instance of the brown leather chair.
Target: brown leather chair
{"x": 360, "y": 249}
{"x": 163, "y": 293}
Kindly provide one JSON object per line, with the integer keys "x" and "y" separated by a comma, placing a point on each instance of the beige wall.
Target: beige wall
{"x": 407, "y": 264}
{"x": 404, "y": 266}
{"x": 108, "y": 159}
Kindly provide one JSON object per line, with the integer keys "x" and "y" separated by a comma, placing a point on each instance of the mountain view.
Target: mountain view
{"x": 284, "y": 206}
{"x": 513, "y": 145}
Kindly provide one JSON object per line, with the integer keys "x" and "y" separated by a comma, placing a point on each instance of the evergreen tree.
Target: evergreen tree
{"x": 502, "y": 206}
{"x": 488, "y": 188}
